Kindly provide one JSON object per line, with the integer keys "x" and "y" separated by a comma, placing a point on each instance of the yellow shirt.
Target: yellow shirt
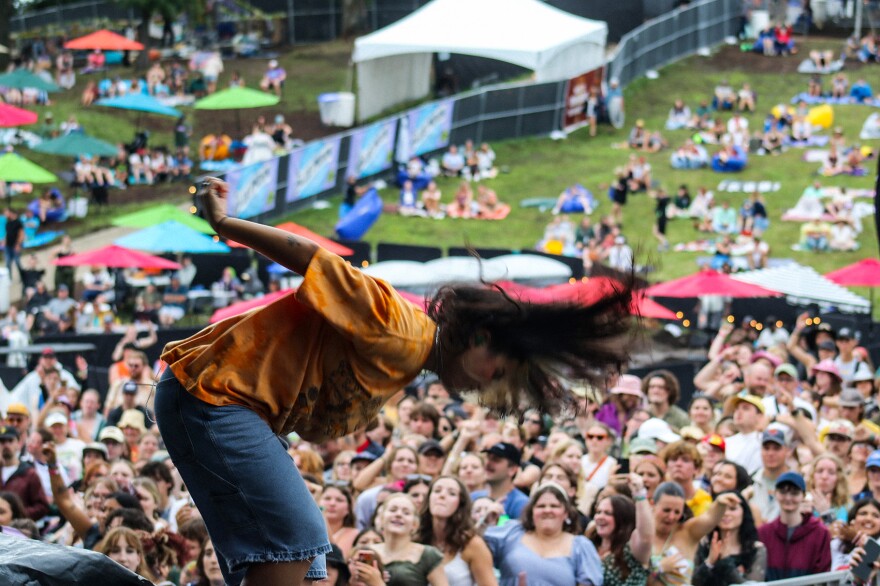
{"x": 700, "y": 503}
{"x": 320, "y": 362}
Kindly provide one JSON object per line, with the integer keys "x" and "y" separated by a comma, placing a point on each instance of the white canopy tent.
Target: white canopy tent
{"x": 394, "y": 64}
{"x": 804, "y": 286}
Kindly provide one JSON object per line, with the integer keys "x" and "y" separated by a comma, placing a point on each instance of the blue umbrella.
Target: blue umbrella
{"x": 141, "y": 103}
{"x": 171, "y": 236}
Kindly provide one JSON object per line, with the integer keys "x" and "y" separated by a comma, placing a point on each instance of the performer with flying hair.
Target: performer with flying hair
{"x": 322, "y": 362}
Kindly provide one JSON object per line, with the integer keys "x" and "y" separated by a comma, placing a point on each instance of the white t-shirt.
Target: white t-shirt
{"x": 8, "y": 471}
{"x": 745, "y": 450}
{"x": 599, "y": 473}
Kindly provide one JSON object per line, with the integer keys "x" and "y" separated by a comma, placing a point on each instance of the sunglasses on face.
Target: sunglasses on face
{"x": 600, "y": 436}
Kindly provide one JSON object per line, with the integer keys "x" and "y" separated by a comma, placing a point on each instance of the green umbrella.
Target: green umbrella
{"x": 75, "y": 144}
{"x": 16, "y": 168}
{"x": 236, "y": 98}
{"x": 22, "y": 78}
{"x": 163, "y": 213}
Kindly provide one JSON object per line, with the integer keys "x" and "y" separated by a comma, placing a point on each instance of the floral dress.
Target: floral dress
{"x": 637, "y": 576}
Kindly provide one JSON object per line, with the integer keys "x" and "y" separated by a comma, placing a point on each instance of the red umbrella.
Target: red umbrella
{"x": 865, "y": 273}
{"x": 11, "y": 116}
{"x": 708, "y": 282}
{"x": 104, "y": 40}
{"x": 591, "y": 290}
{"x": 116, "y": 257}
{"x": 326, "y": 243}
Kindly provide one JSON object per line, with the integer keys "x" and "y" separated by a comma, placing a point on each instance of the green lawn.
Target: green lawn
{"x": 541, "y": 167}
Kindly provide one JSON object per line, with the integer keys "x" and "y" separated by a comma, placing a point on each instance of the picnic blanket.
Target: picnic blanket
{"x": 815, "y": 155}
{"x": 749, "y": 186}
{"x": 809, "y": 66}
{"x": 871, "y": 127}
{"x": 808, "y": 99}
{"x": 816, "y": 140}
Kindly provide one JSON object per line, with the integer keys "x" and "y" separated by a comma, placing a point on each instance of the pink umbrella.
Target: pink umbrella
{"x": 591, "y": 290}
{"x": 865, "y": 273}
{"x": 10, "y": 116}
{"x": 708, "y": 282}
{"x": 116, "y": 257}
{"x": 293, "y": 228}
{"x": 243, "y": 306}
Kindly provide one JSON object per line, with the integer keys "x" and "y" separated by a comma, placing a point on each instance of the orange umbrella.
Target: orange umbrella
{"x": 104, "y": 40}
{"x": 293, "y": 228}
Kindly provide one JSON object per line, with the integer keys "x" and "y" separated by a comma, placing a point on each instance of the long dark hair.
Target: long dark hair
{"x": 848, "y": 535}
{"x": 748, "y": 536}
{"x": 459, "y": 527}
{"x": 15, "y": 504}
{"x": 348, "y": 520}
{"x": 552, "y": 341}
{"x": 624, "y": 511}
{"x": 743, "y": 480}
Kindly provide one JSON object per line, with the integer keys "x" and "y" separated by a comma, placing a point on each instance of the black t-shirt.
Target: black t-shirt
{"x": 350, "y": 195}
{"x": 13, "y": 230}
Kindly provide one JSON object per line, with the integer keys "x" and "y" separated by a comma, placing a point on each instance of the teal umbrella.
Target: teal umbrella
{"x": 22, "y": 78}
{"x": 141, "y": 103}
{"x": 171, "y": 236}
{"x": 14, "y": 167}
{"x": 75, "y": 144}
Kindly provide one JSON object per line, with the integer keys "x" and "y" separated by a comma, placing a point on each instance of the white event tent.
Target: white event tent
{"x": 394, "y": 63}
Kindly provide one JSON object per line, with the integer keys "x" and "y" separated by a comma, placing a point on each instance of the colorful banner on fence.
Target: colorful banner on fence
{"x": 430, "y": 127}
{"x": 313, "y": 169}
{"x": 577, "y": 92}
{"x": 372, "y": 149}
{"x": 252, "y": 189}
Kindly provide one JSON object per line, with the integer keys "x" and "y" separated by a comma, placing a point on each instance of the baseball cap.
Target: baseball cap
{"x": 849, "y": 334}
{"x": 715, "y": 440}
{"x": 628, "y": 384}
{"x": 364, "y": 457}
{"x": 48, "y": 352}
{"x": 873, "y": 460}
{"x": 768, "y": 356}
{"x": 132, "y": 418}
{"x": 691, "y": 432}
{"x": 775, "y": 435}
{"x": 129, "y": 387}
{"x": 18, "y": 409}
{"x": 55, "y": 418}
{"x": 111, "y": 432}
{"x": 432, "y": 446}
{"x": 505, "y": 450}
{"x": 642, "y": 445}
{"x": 745, "y": 398}
{"x": 97, "y": 447}
{"x": 657, "y": 429}
{"x": 786, "y": 368}
{"x": 827, "y": 345}
{"x": 850, "y": 398}
{"x": 792, "y": 478}
{"x": 8, "y": 432}
{"x": 839, "y": 427}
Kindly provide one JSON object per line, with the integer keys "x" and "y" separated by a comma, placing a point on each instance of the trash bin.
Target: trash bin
{"x": 5, "y": 284}
{"x": 337, "y": 108}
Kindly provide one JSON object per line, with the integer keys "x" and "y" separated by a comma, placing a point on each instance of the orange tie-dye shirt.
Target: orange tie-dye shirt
{"x": 320, "y": 362}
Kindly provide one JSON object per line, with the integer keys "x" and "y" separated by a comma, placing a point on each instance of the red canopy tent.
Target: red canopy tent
{"x": 294, "y": 228}
{"x": 10, "y": 116}
{"x": 708, "y": 282}
{"x": 865, "y": 273}
{"x": 117, "y": 257}
{"x": 104, "y": 40}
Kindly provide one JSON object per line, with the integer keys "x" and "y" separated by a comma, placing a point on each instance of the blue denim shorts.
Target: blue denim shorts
{"x": 253, "y": 500}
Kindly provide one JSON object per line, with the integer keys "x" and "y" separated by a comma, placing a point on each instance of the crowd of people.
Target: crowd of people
{"x": 770, "y": 470}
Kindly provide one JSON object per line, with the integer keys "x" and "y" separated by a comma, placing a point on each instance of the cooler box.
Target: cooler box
{"x": 337, "y": 109}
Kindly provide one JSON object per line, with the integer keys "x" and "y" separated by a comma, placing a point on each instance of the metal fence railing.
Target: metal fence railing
{"x": 670, "y": 37}
{"x": 65, "y": 14}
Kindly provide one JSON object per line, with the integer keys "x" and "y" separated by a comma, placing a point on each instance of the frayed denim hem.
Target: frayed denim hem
{"x": 241, "y": 565}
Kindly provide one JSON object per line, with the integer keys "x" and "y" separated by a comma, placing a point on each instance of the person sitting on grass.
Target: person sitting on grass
{"x": 725, "y": 97}
{"x": 679, "y": 115}
{"x": 463, "y": 204}
{"x": 408, "y": 200}
{"x": 815, "y": 236}
{"x": 431, "y": 201}
{"x": 861, "y": 91}
{"x": 488, "y": 206}
{"x": 745, "y": 101}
